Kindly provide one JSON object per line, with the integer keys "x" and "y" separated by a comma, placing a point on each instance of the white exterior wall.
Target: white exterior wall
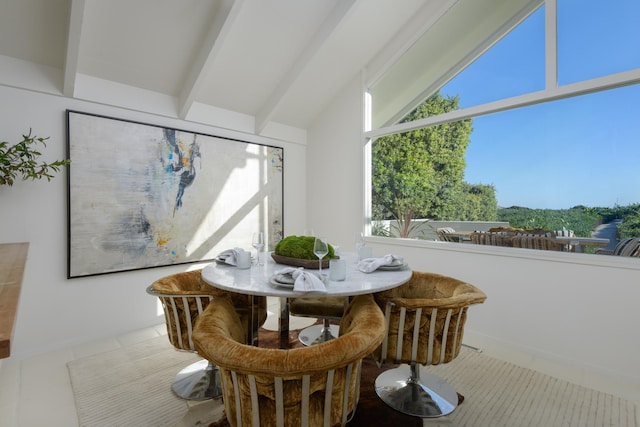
{"x": 573, "y": 310}
{"x": 55, "y": 312}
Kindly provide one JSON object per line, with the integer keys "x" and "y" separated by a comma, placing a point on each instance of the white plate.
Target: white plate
{"x": 392, "y": 267}
{"x": 287, "y": 279}
{"x": 274, "y": 282}
{"x": 223, "y": 261}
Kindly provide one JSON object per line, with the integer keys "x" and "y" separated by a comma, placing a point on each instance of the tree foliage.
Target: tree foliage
{"x": 422, "y": 171}
{"x": 479, "y": 203}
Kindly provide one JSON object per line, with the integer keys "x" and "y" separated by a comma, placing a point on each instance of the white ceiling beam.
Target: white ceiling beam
{"x": 337, "y": 15}
{"x": 213, "y": 42}
{"x": 76, "y": 17}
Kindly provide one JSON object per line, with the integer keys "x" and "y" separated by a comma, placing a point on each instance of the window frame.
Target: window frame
{"x": 552, "y": 92}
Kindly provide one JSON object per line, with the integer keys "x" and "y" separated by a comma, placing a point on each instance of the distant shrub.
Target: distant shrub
{"x": 580, "y": 219}
{"x": 630, "y": 227}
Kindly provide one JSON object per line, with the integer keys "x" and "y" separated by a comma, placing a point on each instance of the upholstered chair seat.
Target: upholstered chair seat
{"x": 308, "y": 386}
{"x": 425, "y": 324}
{"x": 184, "y": 296}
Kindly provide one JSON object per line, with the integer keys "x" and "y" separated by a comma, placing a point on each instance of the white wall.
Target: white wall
{"x": 335, "y": 170}
{"x": 575, "y": 310}
{"x": 55, "y": 312}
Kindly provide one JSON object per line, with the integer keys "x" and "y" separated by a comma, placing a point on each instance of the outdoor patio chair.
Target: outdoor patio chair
{"x": 490, "y": 238}
{"x": 626, "y": 247}
{"x": 445, "y": 234}
{"x": 536, "y": 242}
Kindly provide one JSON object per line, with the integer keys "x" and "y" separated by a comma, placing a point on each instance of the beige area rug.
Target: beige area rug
{"x": 131, "y": 387}
{"x": 499, "y": 393}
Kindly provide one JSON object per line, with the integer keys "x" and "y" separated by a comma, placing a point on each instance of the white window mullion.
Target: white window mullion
{"x": 551, "y": 44}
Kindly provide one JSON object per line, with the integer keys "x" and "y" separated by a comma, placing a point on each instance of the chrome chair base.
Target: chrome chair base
{"x": 414, "y": 391}
{"x": 317, "y": 334}
{"x": 198, "y": 381}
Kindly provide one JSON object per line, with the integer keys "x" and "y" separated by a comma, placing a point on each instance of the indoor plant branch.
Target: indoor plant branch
{"x": 21, "y": 161}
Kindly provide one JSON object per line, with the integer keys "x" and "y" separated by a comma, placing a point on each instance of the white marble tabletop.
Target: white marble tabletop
{"x": 255, "y": 280}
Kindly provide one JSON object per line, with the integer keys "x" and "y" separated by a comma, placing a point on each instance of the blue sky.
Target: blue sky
{"x": 578, "y": 151}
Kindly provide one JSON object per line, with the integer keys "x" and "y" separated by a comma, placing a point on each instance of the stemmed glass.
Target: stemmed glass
{"x": 359, "y": 244}
{"x": 320, "y": 248}
{"x": 258, "y": 244}
{"x": 359, "y": 241}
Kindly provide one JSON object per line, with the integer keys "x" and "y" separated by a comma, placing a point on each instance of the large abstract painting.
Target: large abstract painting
{"x": 142, "y": 196}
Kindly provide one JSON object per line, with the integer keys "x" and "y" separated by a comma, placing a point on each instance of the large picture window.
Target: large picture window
{"x": 537, "y": 133}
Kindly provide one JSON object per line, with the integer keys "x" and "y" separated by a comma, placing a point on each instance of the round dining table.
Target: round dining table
{"x": 258, "y": 281}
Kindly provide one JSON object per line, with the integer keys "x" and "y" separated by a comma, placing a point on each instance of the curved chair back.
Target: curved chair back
{"x": 425, "y": 319}
{"x": 309, "y": 386}
{"x": 185, "y": 296}
{"x": 180, "y": 314}
{"x": 628, "y": 247}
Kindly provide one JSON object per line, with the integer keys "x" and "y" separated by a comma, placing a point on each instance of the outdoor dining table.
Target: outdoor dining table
{"x": 580, "y": 242}
{"x": 257, "y": 281}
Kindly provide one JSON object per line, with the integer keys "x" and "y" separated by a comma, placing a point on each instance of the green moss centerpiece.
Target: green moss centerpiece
{"x": 298, "y": 252}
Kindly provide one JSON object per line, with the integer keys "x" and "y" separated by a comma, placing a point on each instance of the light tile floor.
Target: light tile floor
{"x": 37, "y": 391}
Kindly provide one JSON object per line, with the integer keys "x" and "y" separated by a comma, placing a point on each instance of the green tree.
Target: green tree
{"x": 421, "y": 171}
{"x": 479, "y": 203}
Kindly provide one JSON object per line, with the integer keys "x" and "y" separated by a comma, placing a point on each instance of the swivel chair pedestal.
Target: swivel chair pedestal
{"x": 317, "y": 334}
{"x": 329, "y": 308}
{"x": 422, "y": 394}
{"x": 198, "y": 381}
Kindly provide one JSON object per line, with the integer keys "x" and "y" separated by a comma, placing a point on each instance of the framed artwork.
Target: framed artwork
{"x": 142, "y": 196}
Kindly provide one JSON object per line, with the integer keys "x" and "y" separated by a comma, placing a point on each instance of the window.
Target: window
{"x": 552, "y": 108}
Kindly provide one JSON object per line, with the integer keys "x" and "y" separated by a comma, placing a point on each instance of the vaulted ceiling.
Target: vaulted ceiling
{"x": 279, "y": 61}
{"x": 275, "y": 60}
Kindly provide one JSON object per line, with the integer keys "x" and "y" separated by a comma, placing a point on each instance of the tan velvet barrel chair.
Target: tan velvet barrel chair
{"x": 425, "y": 323}
{"x": 311, "y": 386}
{"x": 184, "y": 296}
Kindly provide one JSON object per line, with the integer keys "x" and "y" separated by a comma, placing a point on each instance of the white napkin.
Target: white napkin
{"x": 229, "y": 256}
{"x": 368, "y": 265}
{"x": 304, "y": 281}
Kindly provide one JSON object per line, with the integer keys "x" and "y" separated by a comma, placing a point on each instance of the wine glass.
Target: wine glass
{"x": 320, "y": 248}
{"x": 258, "y": 244}
{"x": 359, "y": 243}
